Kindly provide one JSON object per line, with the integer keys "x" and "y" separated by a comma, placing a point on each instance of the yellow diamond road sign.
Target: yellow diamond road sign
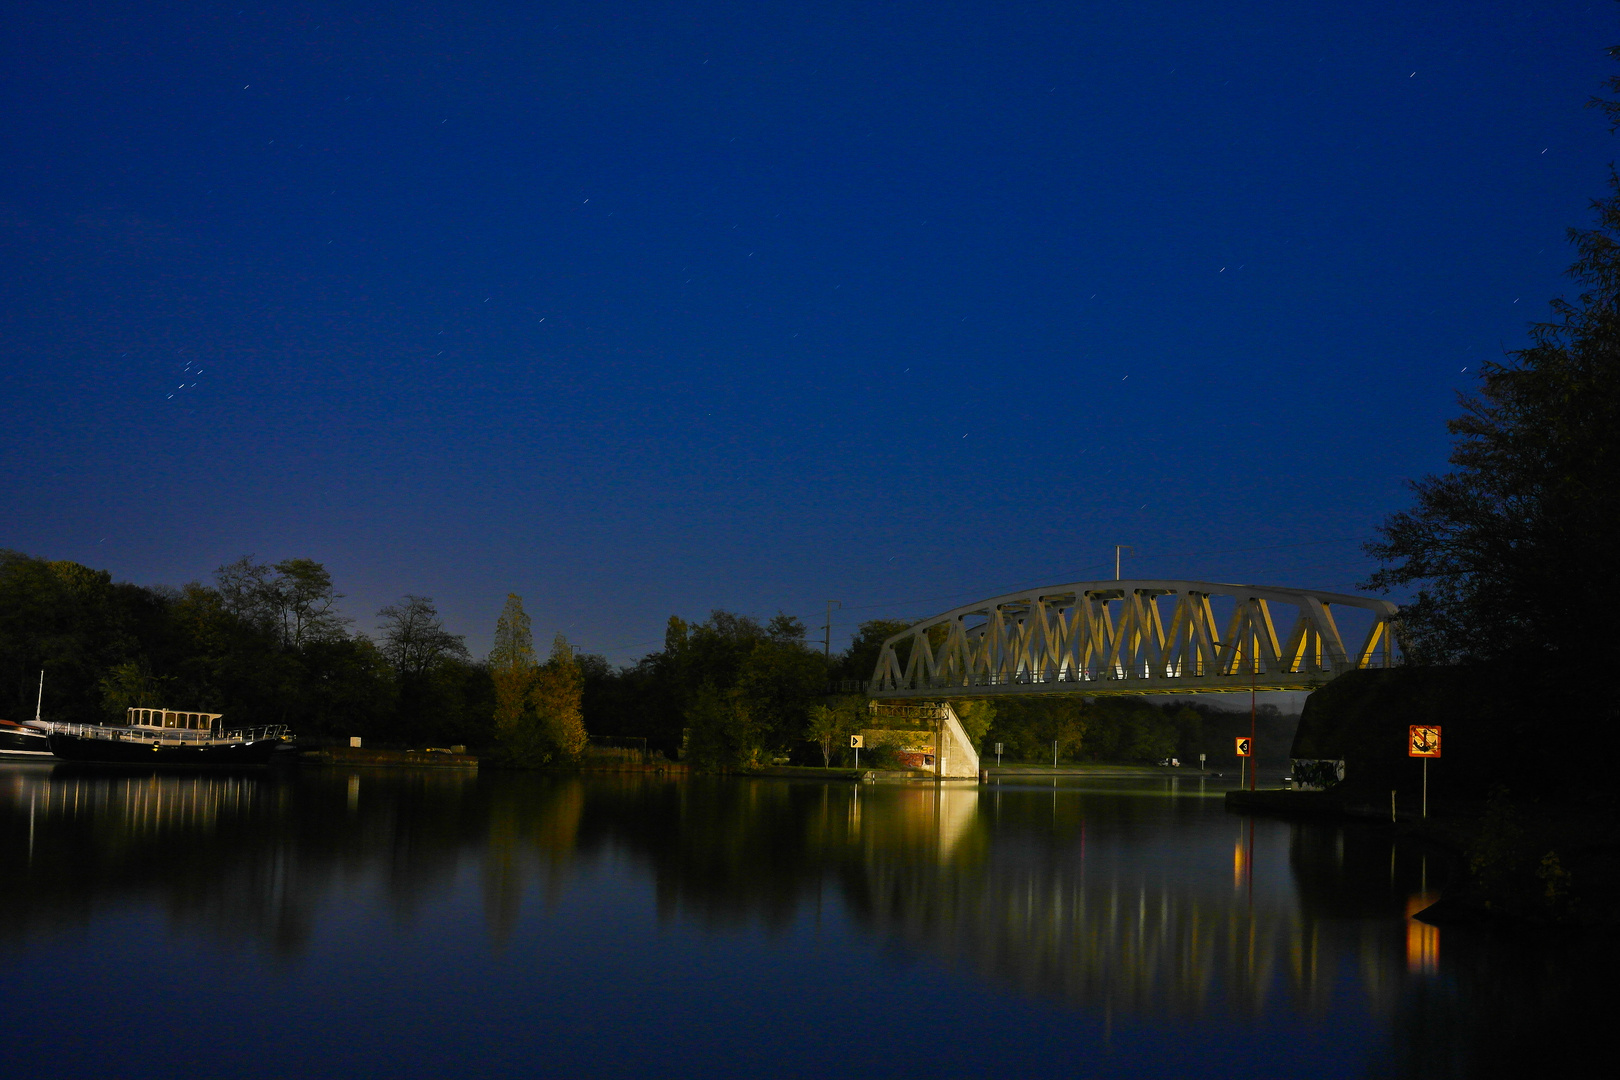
{"x": 1424, "y": 741}
{"x": 1242, "y": 747}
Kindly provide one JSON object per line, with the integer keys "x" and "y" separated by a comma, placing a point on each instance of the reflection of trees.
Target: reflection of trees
{"x": 244, "y": 857}
{"x": 1061, "y": 896}
{"x": 533, "y": 823}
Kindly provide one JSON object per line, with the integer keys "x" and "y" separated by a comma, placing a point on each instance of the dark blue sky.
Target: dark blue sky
{"x": 640, "y": 309}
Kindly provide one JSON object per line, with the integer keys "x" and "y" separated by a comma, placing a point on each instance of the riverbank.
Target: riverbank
{"x": 1102, "y": 769}
{"x": 1529, "y": 862}
{"x": 389, "y": 759}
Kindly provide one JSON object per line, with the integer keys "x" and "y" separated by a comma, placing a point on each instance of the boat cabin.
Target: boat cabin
{"x": 172, "y": 719}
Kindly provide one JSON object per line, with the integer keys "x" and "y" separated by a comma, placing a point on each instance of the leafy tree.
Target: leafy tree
{"x": 511, "y": 669}
{"x": 306, "y": 603}
{"x": 977, "y": 715}
{"x": 860, "y": 659}
{"x": 129, "y": 685}
{"x": 825, "y": 727}
{"x": 414, "y": 638}
{"x": 555, "y": 699}
{"x": 829, "y": 726}
{"x": 294, "y": 599}
{"x": 779, "y": 680}
{"x": 346, "y": 687}
{"x": 1534, "y": 495}
{"x": 1030, "y": 725}
{"x": 784, "y": 627}
{"x": 70, "y": 621}
{"x": 719, "y": 729}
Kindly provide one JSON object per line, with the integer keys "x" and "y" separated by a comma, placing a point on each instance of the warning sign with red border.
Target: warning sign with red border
{"x": 1244, "y": 745}
{"x": 1424, "y": 741}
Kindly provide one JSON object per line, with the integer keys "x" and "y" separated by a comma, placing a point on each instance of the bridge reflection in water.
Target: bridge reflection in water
{"x": 1100, "y": 922}
{"x": 1138, "y": 903}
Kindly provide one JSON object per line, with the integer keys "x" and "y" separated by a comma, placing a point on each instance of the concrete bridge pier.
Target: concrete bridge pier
{"x": 933, "y": 730}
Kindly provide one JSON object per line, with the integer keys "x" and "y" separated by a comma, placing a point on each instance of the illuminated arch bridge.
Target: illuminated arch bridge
{"x": 1136, "y": 637}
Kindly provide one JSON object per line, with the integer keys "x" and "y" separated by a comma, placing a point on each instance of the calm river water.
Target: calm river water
{"x": 392, "y": 924}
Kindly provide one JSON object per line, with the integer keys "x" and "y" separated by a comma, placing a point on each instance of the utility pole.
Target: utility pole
{"x": 1117, "y": 549}
{"x": 826, "y": 642}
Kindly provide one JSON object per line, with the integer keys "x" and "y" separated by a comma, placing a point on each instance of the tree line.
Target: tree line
{"x": 268, "y": 643}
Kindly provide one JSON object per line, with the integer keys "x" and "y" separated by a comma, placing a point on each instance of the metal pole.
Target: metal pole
{"x": 1254, "y": 679}
{"x": 1117, "y": 549}
{"x": 1054, "y": 753}
{"x": 1425, "y": 787}
{"x": 41, "y": 700}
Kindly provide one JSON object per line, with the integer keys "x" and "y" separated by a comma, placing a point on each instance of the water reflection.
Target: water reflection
{"x": 1128, "y": 903}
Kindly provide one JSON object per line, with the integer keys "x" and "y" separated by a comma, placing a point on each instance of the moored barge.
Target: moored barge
{"x": 167, "y": 737}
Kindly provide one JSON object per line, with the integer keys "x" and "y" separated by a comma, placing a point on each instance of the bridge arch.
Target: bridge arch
{"x": 1132, "y": 637}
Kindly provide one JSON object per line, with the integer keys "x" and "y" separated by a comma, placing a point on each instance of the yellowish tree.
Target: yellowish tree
{"x": 512, "y": 668}
{"x": 555, "y": 698}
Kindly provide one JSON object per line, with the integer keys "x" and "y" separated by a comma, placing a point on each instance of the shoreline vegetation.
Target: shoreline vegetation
{"x": 268, "y": 643}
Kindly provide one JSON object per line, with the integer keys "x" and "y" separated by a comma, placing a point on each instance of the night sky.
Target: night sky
{"x": 641, "y": 309}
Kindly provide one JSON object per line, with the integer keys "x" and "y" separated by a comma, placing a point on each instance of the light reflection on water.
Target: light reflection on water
{"x": 1133, "y": 919}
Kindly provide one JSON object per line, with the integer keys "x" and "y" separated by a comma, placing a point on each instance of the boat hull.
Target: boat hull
{"x": 15, "y": 743}
{"x": 130, "y": 752}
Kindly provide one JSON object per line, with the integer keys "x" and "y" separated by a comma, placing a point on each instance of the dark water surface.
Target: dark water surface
{"x": 382, "y": 923}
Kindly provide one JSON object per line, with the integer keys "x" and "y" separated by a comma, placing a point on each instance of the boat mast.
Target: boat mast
{"x": 41, "y": 699}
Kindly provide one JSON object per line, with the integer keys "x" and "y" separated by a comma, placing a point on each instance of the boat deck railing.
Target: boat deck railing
{"x": 172, "y": 737}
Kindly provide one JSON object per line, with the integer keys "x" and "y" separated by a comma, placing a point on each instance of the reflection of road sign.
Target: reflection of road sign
{"x": 998, "y": 749}
{"x": 1243, "y": 747}
{"x": 1424, "y": 741}
{"x": 857, "y": 741}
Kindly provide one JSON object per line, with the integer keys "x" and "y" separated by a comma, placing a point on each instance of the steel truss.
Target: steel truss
{"x": 1130, "y": 637}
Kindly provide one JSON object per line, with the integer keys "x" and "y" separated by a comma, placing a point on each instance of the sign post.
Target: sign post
{"x": 857, "y": 741}
{"x": 1245, "y": 750}
{"x": 1423, "y": 741}
{"x": 1200, "y": 762}
{"x": 998, "y": 755}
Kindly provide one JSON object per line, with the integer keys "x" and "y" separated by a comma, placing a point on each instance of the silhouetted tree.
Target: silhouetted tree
{"x": 1496, "y": 546}
{"x": 414, "y": 638}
